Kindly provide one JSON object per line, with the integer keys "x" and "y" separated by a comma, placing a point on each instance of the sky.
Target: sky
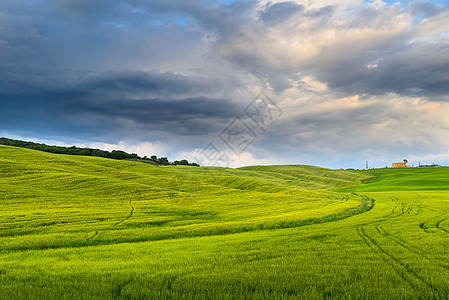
{"x": 231, "y": 83}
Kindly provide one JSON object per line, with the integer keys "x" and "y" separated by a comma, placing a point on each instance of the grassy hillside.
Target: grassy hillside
{"x": 309, "y": 177}
{"x": 53, "y": 200}
{"x": 405, "y": 179}
{"x": 86, "y": 227}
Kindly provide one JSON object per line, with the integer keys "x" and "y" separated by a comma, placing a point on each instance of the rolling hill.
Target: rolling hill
{"x": 90, "y": 227}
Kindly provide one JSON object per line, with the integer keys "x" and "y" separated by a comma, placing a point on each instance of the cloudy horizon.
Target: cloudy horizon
{"x": 338, "y": 82}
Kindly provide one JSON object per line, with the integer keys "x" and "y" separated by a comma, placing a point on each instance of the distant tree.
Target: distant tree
{"x": 405, "y": 161}
{"x": 184, "y": 162}
{"x": 119, "y": 154}
{"x": 163, "y": 161}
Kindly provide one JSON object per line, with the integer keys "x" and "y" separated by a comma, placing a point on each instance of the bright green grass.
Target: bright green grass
{"x": 83, "y": 227}
{"x": 51, "y": 201}
{"x": 404, "y": 179}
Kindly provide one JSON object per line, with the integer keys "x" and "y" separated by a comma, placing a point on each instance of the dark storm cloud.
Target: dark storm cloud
{"x": 421, "y": 70}
{"x": 123, "y": 84}
{"x": 150, "y": 84}
{"x": 112, "y": 103}
{"x": 96, "y": 119}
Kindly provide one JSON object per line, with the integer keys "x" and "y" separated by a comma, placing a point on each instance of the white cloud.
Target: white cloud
{"x": 432, "y": 25}
{"x": 317, "y": 4}
{"x": 227, "y": 158}
{"x": 430, "y": 158}
{"x": 142, "y": 149}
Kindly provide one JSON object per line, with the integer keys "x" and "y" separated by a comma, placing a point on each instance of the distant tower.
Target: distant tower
{"x": 366, "y": 165}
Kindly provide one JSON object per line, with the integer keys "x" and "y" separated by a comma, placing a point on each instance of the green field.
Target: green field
{"x": 87, "y": 227}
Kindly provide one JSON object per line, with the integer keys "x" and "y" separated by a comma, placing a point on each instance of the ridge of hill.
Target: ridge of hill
{"x": 73, "y": 150}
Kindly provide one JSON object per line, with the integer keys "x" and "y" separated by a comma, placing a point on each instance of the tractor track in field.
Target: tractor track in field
{"x": 404, "y": 210}
{"x": 438, "y": 220}
{"x": 419, "y": 210}
{"x": 398, "y": 266}
{"x": 398, "y": 241}
{"x": 398, "y": 211}
{"x": 407, "y": 209}
{"x": 126, "y": 218}
{"x": 118, "y": 289}
{"x": 392, "y": 211}
{"x": 437, "y": 225}
{"x": 116, "y": 224}
{"x": 412, "y": 248}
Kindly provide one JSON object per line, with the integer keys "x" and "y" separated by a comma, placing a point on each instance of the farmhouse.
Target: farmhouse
{"x": 399, "y": 165}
